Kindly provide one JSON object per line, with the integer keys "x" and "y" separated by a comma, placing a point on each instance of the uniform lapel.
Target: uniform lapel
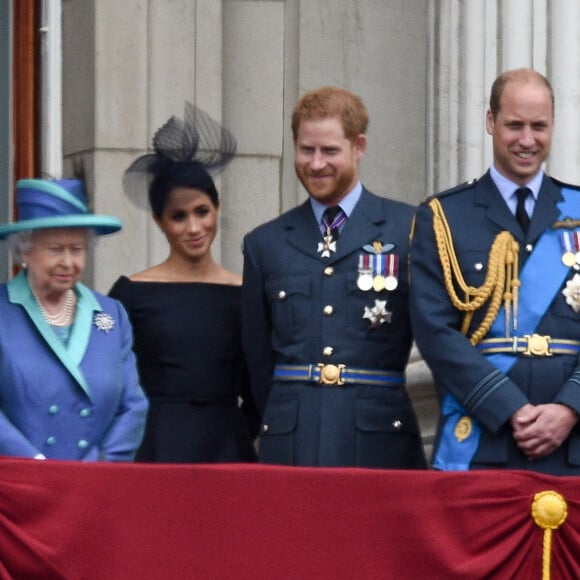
{"x": 546, "y": 211}
{"x": 302, "y": 231}
{"x": 487, "y": 195}
{"x": 364, "y": 226}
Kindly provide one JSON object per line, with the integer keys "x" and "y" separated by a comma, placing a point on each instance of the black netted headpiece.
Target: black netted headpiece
{"x": 186, "y": 152}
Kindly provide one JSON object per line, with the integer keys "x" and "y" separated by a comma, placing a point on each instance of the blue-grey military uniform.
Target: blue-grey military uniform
{"x": 304, "y": 333}
{"x": 488, "y": 396}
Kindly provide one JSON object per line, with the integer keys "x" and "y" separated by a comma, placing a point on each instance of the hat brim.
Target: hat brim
{"x": 101, "y": 224}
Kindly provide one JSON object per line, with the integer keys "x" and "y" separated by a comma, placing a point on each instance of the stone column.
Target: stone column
{"x": 475, "y": 41}
{"x": 564, "y": 73}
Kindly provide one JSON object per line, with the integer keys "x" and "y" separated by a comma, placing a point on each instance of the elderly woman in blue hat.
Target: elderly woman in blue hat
{"x": 69, "y": 386}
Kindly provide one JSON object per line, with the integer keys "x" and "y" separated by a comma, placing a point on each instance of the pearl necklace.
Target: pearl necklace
{"x": 63, "y": 316}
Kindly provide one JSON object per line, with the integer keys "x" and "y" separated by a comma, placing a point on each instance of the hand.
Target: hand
{"x": 540, "y": 429}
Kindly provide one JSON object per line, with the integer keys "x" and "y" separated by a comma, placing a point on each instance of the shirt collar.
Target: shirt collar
{"x": 347, "y": 203}
{"x": 507, "y": 187}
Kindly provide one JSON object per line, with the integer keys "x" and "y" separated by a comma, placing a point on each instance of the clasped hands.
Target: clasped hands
{"x": 540, "y": 429}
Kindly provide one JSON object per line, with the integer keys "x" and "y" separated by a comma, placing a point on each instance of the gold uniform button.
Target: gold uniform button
{"x": 328, "y": 271}
{"x": 328, "y": 351}
{"x": 328, "y": 310}
{"x": 281, "y": 295}
{"x": 478, "y": 266}
{"x": 529, "y": 248}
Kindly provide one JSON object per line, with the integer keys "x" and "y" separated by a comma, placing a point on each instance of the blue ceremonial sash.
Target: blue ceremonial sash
{"x": 454, "y": 453}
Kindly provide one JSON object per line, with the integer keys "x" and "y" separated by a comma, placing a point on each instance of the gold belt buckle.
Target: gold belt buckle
{"x": 331, "y": 374}
{"x": 538, "y": 345}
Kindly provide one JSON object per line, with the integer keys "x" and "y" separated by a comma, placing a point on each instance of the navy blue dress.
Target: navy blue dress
{"x": 188, "y": 347}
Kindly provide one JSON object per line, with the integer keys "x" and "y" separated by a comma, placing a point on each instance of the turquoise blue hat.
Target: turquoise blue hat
{"x": 44, "y": 204}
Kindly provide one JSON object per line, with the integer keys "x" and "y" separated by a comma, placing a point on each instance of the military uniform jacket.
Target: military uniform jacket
{"x": 82, "y": 401}
{"x": 476, "y": 213}
{"x": 299, "y": 308}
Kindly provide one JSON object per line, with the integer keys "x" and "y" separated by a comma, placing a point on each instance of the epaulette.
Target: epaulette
{"x": 458, "y": 188}
{"x": 563, "y": 184}
{"x": 567, "y": 222}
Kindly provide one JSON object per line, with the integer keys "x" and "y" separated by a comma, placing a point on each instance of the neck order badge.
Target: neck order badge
{"x": 332, "y": 219}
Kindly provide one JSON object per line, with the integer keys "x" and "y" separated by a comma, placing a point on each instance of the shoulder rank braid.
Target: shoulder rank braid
{"x": 501, "y": 279}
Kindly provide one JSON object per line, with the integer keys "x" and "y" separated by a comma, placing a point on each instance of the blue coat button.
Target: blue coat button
{"x": 50, "y": 440}
{"x": 53, "y": 409}
{"x": 83, "y": 444}
{"x": 85, "y": 412}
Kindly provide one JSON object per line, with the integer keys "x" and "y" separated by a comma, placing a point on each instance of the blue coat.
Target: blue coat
{"x": 299, "y": 308}
{"x": 82, "y": 401}
{"x": 476, "y": 213}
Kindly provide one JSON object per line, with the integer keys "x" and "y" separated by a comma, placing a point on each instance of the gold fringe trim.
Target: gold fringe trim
{"x": 501, "y": 280}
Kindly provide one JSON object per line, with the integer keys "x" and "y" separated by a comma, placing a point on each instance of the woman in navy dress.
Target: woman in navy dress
{"x": 185, "y": 311}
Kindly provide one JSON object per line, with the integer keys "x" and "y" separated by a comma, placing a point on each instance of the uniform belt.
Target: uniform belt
{"x": 529, "y": 345}
{"x": 328, "y": 374}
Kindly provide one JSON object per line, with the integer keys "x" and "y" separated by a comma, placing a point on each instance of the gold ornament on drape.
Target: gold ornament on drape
{"x": 549, "y": 510}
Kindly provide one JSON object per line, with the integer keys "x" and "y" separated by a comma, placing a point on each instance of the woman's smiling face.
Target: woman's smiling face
{"x": 189, "y": 222}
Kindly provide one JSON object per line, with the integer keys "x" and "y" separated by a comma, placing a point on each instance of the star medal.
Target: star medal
{"x": 365, "y": 272}
{"x": 572, "y": 293}
{"x": 569, "y": 253}
{"x": 378, "y": 314}
{"x": 391, "y": 280}
{"x": 327, "y": 246}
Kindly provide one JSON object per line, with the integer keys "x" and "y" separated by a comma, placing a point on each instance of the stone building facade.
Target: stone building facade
{"x": 423, "y": 67}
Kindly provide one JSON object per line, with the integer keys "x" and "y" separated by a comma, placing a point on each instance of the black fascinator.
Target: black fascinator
{"x": 196, "y": 140}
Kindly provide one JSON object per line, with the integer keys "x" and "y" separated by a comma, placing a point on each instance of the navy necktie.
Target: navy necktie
{"x": 332, "y": 218}
{"x": 521, "y": 213}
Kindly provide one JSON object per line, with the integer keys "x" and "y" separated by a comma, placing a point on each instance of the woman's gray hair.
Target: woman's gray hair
{"x": 20, "y": 243}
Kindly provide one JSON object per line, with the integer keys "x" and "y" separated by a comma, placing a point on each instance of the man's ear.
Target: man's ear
{"x": 489, "y": 122}
{"x": 360, "y": 144}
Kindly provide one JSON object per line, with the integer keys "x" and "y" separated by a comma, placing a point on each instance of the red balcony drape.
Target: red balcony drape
{"x": 83, "y": 521}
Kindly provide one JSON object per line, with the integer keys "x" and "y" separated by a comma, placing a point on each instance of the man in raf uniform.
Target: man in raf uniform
{"x": 495, "y": 297}
{"x": 325, "y": 306}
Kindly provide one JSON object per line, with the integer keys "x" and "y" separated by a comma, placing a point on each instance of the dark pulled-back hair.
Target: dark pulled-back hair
{"x": 187, "y": 152}
{"x": 171, "y": 175}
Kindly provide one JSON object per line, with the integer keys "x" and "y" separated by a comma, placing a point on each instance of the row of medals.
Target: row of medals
{"x": 377, "y": 272}
{"x": 571, "y": 254}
